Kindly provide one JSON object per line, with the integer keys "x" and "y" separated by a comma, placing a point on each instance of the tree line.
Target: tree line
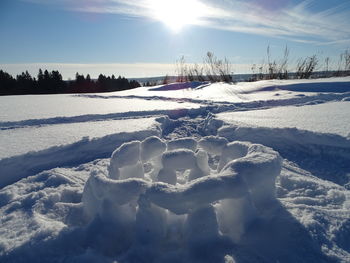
{"x": 52, "y": 83}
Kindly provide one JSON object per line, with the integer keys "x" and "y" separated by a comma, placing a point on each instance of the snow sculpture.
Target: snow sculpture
{"x": 160, "y": 209}
{"x": 127, "y": 154}
{"x": 202, "y": 168}
{"x": 183, "y": 143}
{"x": 213, "y": 144}
{"x": 179, "y": 159}
{"x": 183, "y": 159}
{"x": 202, "y": 225}
{"x": 152, "y": 147}
{"x": 259, "y": 168}
{"x": 127, "y": 160}
{"x": 184, "y": 198}
{"x": 232, "y": 151}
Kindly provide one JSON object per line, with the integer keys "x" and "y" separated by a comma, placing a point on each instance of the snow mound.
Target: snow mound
{"x": 171, "y": 199}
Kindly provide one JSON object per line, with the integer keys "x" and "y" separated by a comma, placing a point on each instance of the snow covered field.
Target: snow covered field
{"x": 253, "y": 172}
{"x": 331, "y": 117}
{"x": 20, "y": 141}
{"x": 34, "y": 107}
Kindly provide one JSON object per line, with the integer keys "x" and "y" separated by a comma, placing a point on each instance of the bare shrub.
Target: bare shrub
{"x": 326, "y": 67}
{"x": 306, "y": 67}
{"x": 212, "y": 69}
{"x": 344, "y": 64}
{"x": 257, "y": 72}
{"x": 181, "y": 69}
{"x": 166, "y": 79}
{"x": 273, "y": 69}
{"x": 277, "y": 69}
{"x": 217, "y": 69}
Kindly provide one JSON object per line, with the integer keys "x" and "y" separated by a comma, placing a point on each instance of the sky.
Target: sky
{"x": 143, "y": 38}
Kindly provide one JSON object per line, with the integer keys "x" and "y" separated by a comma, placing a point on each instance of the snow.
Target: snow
{"x": 332, "y": 117}
{"x": 27, "y": 107}
{"x": 232, "y": 151}
{"x": 183, "y": 143}
{"x": 213, "y": 144}
{"x": 127, "y": 154}
{"x": 20, "y": 141}
{"x": 138, "y": 209}
{"x": 152, "y": 147}
{"x": 243, "y": 91}
{"x": 252, "y": 172}
{"x": 180, "y": 159}
{"x": 17, "y": 167}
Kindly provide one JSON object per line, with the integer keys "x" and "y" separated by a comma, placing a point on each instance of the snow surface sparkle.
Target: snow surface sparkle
{"x": 253, "y": 172}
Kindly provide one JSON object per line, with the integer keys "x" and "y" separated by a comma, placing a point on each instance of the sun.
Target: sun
{"x": 176, "y": 13}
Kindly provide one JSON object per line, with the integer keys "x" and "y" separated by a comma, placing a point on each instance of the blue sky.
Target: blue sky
{"x": 138, "y": 38}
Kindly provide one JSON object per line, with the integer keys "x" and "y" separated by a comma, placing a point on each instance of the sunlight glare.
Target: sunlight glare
{"x": 177, "y": 13}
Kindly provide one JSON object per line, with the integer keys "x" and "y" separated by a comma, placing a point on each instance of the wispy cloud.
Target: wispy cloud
{"x": 282, "y": 19}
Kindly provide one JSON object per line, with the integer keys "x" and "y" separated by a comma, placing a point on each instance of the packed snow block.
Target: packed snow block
{"x": 234, "y": 216}
{"x": 259, "y": 169}
{"x": 151, "y": 147}
{"x": 132, "y": 171}
{"x": 113, "y": 171}
{"x": 181, "y": 159}
{"x": 202, "y": 225}
{"x": 232, "y": 151}
{"x": 202, "y": 167}
{"x": 202, "y": 161}
{"x": 150, "y": 223}
{"x": 203, "y": 191}
{"x": 99, "y": 189}
{"x": 154, "y": 167}
{"x": 213, "y": 144}
{"x": 183, "y": 143}
{"x": 195, "y": 174}
{"x": 120, "y": 192}
{"x": 127, "y": 154}
{"x": 167, "y": 176}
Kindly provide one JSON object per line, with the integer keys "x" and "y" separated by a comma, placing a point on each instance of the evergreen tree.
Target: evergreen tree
{"x": 53, "y": 83}
{"x": 7, "y": 84}
{"x": 25, "y": 84}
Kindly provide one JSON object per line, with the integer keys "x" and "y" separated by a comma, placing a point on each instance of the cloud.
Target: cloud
{"x": 297, "y": 22}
